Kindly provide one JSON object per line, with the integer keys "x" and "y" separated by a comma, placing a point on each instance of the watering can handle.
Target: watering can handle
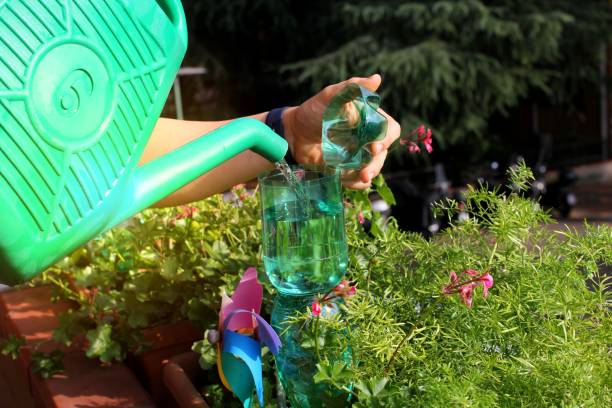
{"x": 175, "y": 13}
{"x": 164, "y": 175}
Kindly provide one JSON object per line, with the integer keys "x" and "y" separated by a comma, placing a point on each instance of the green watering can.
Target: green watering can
{"x": 82, "y": 84}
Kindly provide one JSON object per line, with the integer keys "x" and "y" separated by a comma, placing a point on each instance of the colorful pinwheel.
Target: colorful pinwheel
{"x": 243, "y": 331}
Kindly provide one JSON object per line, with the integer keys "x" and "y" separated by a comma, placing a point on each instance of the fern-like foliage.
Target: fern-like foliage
{"x": 452, "y": 64}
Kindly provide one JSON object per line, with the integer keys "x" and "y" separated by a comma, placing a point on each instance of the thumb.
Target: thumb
{"x": 371, "y": 83}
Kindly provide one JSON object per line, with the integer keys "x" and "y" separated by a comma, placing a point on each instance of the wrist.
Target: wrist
{"x": 289, "y": 125}
{"x": 281, "y": 123}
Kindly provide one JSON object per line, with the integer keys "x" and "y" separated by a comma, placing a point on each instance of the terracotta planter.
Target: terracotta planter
{"x": 30, "y": 314}
{"x": 167, "y": 341}
{"x": 26, "y": 313}
{"x": 179, "y": 375}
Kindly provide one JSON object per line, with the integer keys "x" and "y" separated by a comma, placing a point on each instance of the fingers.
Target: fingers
{"x": 380, "y": 149}
{"x": 372, "y": 83}
{"x": 373, "y": 168}
{"x": 362, "y": 179}
{"x": 352, "y": 179}
{"x": 394, "y": 131}
{"x": 357, "y": 185}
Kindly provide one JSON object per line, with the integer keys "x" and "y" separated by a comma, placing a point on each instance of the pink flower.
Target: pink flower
{"x": 413, "y": 148}
{"x": 427, "y": 141}
{"x": 420, "y": 131}
{"x": 187, "y": 211}
{"x": 343, "y": 289}
{"x": 316, "y": 309}
{"x": 471, "y": 272}
{"x": 341, "y": 286}
{"x": 423, "y": 134}
{"x": 487, "y": 283}
{"x": 465, "y": 284}
{"x": 361, "y": 218}
{"x": 466, "y": 293}
{"x": 325, "y": 305}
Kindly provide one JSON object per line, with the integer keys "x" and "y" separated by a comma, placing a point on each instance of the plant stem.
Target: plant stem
{"x": 316, "y": 335}
{"x": 69, "y": 293}
{"x": 401, "y": 343}
{"x": 281, "y": 397}
{"x": 370, "y": 267}
{"x": 491, "y": 257}
{"x": 457, "y": 286}
{"x": 348, "y": 390}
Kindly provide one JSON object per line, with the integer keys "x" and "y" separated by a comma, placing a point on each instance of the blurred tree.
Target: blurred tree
{"x": 451, "y": 64}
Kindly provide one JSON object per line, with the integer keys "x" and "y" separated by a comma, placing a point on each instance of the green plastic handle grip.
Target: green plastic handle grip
{"x": 175, "y": 13}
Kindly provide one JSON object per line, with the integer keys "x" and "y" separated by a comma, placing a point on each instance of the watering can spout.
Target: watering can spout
{"x": 163, "y": 176}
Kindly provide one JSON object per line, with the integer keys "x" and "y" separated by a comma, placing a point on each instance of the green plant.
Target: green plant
{"x": 47, "y": 364}
{"x": 541, "y": 337}
{"x": 11, "y": 346}
{"x": 163, "y": 266}
{"x": 43, "y": 364}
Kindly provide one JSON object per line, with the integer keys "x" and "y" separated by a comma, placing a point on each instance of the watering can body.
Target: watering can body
{"x": 82, "y": 84}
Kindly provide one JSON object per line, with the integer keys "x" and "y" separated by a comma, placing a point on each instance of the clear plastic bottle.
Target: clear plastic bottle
{"x": 296, "y": 364}
{"x": 351, "y": 123}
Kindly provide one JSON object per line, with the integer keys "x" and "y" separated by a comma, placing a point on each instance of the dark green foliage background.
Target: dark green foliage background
{"x": 452, "y": 64}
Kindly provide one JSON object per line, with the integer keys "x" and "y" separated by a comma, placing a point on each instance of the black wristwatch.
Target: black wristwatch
{"x": 275, "y": 121}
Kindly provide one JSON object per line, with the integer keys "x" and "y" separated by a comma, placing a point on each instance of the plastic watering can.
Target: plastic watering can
{"x": 82, "y": 83}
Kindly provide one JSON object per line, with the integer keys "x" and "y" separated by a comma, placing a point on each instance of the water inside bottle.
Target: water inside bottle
{"x": 292, "y": 180}
{"x": 304, "y": 252}
{"x": 304, "y": 242}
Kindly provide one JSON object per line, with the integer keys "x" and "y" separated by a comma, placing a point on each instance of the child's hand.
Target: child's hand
{"x": 303, "y": 132}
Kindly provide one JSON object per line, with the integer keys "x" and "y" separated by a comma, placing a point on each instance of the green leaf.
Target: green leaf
{"x": 220, "y": 249}
{"x": 207, "y": 352}
{"x": 11, "y": 346}
{"x": 169, "y": 267}
{"x": 359, "y": 198}
{"x": 334, "y": 373}
{"x": 71, "y": 324}
{"x": 376, "y": 227}
{"x": 102, "y": 346}
{"x": 48, "y": 364}
{"x": 373, "y": 387}
{"x": 383, "y": 189}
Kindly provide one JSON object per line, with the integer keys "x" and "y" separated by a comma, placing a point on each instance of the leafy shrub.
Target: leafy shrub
{"x": 541, "y": 337}
{"x": 163, "y": 266}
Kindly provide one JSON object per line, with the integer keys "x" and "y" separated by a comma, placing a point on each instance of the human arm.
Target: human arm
{"x": 303, "y": 133}
{"x": 170, "y": 134}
